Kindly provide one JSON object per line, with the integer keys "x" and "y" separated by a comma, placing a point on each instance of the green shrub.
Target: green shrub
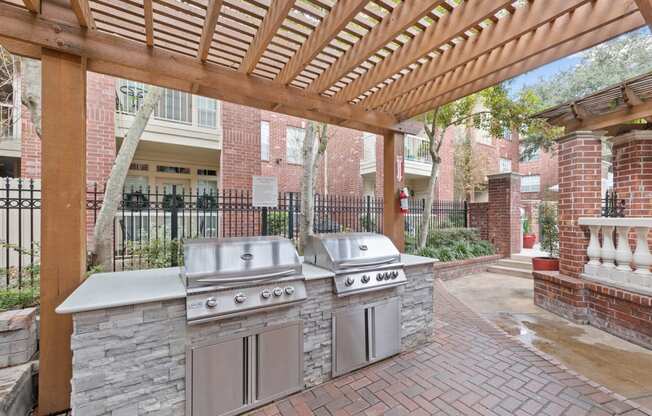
{"x": 427, "y": 252}
{"x": 445, "y": 254}
{"x": 549, "y": 228}
{"x": 156, "y": 253}
{"x": 451, "y": 236}
{"x": 454, "y": 244}
{"x": 277, "y": 223}
{"x": 18, "y": 299}
{"x": 481, "y": 248}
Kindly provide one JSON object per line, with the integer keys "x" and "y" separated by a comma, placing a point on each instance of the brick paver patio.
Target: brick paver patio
{"x": 470, "y": 368}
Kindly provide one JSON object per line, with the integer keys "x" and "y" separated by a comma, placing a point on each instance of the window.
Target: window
{"x": 417, "y": 149}
{"x": 507, "y": 134}
{"x": 172, "y": 169}
{"x": 206, "y": 112}
{"x": 505, "y": 165}
{"x": 264, "y": 140}
{"x": 530, "y": 183}
{"x": 174, "y": 105}
{"x": 294, "y": 144}
{"x": 369, "y": 147}
{"x": 142, "y": 167}
{"x": 529, "y": 158}
{"x": 206, "y": 172}
{"x": 483, "y": 137}
{"x": 135, "y": 184}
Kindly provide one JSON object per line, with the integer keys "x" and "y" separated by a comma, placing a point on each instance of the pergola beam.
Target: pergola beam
{"x": 268, "y": 28}
{"x": 569, "y": 29}
{"x": 603, "y": 121}
{"x": 122, "y": 58}
{"x": 212, "y": 13}
{"x": 645, "y": 7}
{"x": 602, "y": 34}
{"x": 33, "y": 6}
{"x": 439, "y": 33}
{"x": 522, "y": 21}
{"x": 148, "y": 10}
{"x": 405, "y": 14}
{"x": 83, "y": 12}
{"x": 339, "y": 16}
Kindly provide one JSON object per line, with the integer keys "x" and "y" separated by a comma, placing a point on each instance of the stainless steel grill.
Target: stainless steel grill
{"x": 235, "y": 276}
{"x": 361, "y": 262}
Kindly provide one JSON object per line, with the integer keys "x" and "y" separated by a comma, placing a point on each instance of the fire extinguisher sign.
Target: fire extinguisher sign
{"x": 399, "y": 169}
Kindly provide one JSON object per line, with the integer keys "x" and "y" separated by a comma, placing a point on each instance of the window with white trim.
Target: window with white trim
{"x": 206, "y": 112}
{"x": 505, "y": 165}
{"x": 264, "y": 140}
{"x": 531, "y": 183}
{"x": 294, "y": 145}
{"x": 369, "y": 147}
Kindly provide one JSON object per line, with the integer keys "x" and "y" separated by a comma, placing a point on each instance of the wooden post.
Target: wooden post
{"x": 63, "y": 218}
{"x": 393, "y": 221}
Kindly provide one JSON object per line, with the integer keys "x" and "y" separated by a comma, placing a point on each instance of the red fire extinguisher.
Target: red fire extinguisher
{"x": 403, "y": 199}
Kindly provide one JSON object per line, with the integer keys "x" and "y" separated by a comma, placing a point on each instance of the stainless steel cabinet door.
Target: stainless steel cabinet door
{"x": 280, "y": 361}
{"x": 350, "y": 333}
{"x": 218, "y": 378}
{"x": 385, "y": 329}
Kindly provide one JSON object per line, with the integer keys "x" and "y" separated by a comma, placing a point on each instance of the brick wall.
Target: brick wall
{"x": 241, "y": 146}
{"x": 546, "y": 168}
{"x": 632, "y": 157}
{"x": 579, "y": 196}
{"x": 504, "y": 213}
{"x": 479, "y": 218}
{"x": 344, "y": 153}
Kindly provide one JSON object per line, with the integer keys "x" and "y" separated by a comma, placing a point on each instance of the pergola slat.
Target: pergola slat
{"x": 447, "y": 28}
{"x": 337, "y": 19}
{"x": 83, "y": 12}
{"x": 645, "y": 6}
{"x": 404, "y": 15}
{"x": 524, "y": 19}
{"x": 270, "y": 25}
{"x": 149, "y": 22}
{"x": 33, "y": 6}
{"x": 212, "y": 13}
{"x": 488, "y": 71}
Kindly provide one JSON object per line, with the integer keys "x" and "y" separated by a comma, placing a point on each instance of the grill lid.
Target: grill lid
{"x": 211, "y": 261}
{"x": 342, "y": 251}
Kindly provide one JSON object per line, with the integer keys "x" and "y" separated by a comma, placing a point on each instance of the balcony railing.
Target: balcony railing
{"x": 416, "y": 149}
{"x": 6, "y": 121}
{"x": 615, "y": 262}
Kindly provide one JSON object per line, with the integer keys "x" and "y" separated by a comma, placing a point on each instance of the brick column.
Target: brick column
{"x": 632, "y": 156}
{"x": 504, "y": 216}
{"x": 580, "y": 156}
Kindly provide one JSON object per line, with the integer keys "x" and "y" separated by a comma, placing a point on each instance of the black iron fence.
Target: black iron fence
{"x": 150, "y": 222}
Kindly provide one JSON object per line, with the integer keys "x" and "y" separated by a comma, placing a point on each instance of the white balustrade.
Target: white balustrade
{"x": 617, "y": 263}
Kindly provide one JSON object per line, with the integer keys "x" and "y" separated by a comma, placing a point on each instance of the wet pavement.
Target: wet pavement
{"x": 506, "y": 301}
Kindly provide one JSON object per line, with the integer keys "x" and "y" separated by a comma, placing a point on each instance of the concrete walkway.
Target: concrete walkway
{"x": 621, "y": 366}
{"x": 470, "y": 368}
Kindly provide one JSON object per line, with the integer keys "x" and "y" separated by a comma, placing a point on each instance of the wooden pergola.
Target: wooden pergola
{"x": 371, "y": 65}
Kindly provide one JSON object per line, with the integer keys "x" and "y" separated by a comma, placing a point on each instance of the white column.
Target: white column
{"x": 623, "y": 251}
{"x": 642, "y": 256}
{"x": 593, "y": 250}
{"x": 608, "y": 252}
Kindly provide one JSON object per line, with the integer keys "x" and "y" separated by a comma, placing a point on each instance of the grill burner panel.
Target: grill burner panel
{"x": 362, "y": 262}
{"x": 236, "y": 276}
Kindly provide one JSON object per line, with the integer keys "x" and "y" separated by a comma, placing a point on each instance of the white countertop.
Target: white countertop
{"x": 110, "y": 290}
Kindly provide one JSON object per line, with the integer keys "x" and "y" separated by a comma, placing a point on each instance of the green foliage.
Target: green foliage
{"x": 452, "y": 244}
{"x": 156, "y": 252}
{"x": 23, "y": 289}
{"x": 368, "y": 223}
{"x": 527, "y": 228}
{"x": 548, "y": 219}
{"x": 277, "y": 223}
{"x": 19, "y": 299}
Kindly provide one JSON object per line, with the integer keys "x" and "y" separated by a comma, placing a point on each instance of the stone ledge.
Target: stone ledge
{"x": 17, "y": 319}
{"x": 459, "y": 263}
{"x": 453, "y": 269}
{"x": 560, "y": 279}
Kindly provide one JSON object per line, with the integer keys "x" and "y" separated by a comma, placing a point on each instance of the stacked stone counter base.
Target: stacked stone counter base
{"x": 623, "y": 313}
{"x": 131, "y": 360}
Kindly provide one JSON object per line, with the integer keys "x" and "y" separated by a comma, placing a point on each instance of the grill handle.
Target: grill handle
{"x": 239, "y": 279}
{"x": 371, "y": 263}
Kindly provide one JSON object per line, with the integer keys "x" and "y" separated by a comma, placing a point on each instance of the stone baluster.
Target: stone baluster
{"x": 642, "y": 256}
{"x": 593, "y": 250}
{"x": 608, "y": 252}
{"x": 623, "y": 251}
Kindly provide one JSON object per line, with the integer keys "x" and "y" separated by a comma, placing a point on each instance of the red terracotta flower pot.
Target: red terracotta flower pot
{"x": 547, "y": 264}
{"x": 529, "y": 240}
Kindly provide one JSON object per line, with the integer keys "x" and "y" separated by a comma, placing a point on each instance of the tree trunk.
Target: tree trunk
{"x": 31, "y": 90}
{"x": 307, "y": 214}
{"x": 102, "y": 246}
{"x": 427, "y": 209}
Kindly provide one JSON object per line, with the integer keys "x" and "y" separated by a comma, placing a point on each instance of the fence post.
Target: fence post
{"x": 263, "y": 224}
{"x": 291, "y": 217}
{"x": 466, "y": 214}
{"x": 174, "y": 227}
{"x": 368, "y": 224}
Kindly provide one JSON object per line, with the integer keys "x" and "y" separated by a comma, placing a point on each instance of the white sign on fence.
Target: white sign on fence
{"x": 265, "y": 191}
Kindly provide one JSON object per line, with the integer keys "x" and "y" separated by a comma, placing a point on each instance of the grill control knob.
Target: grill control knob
{"x": 365, "y": 278}
{"x": 211, "y": 302}
{"x": 278, "y": 291}
{"x": 386, "y": 275}
{"x": 240, "y": 298}
{"x": 379, "y": 277}
{"x": 266, "y": 294}
{"x": 349, "y": 281}
{"x": 394, "y": 274}
{"x": 289, "y": 290}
